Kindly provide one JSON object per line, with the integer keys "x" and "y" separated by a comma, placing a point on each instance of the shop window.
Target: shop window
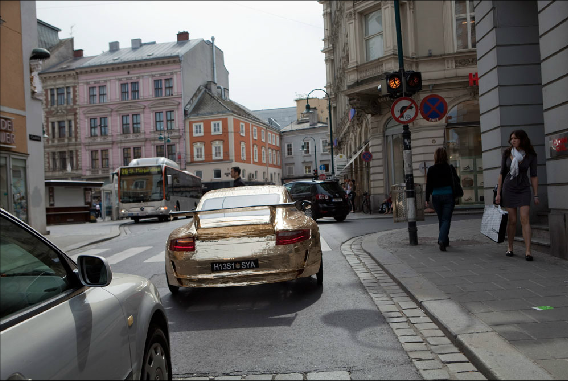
{"x": 19, "y": 194}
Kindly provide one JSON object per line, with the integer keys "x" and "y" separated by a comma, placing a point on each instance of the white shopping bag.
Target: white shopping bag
{"x": 494, "y": 223}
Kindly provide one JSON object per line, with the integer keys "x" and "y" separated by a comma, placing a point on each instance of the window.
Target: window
{"x": 198, "y": 151}
{"x": 134, "y": 90}
{"x": 71, "y": 160}
{"x": 278, "y": 157}
{"x": 263, "y": 175}
{"x": 217, "y": 150}
{"x": 52, "y": 97}
{"x": 290, "y": 170}
{"x": 61, "y": 128}
{"x": 158, "y": 88}
{"x": 263, "y": 155}
{"x": 53, "y": 129}
{"x": 92, "y": 95}
{"x": 126, "y": 156}
{"x": 159, "y": 118}
{"x": 254, "y": 132}
{"x": 60, "y": 96}
{"x": 273, "y": 139}
{"x": 255, "y": 153}
{"x": 68, "y": 94}
{"x": 256, "y": 174}
{"x": 94, "y": 159}
{"x": 277, "y": 141}
{"x": 306, "y": 148}
{"x": 54, "y": 161}
{"x": 307, "y": 169}
{"x": 243, "y": 151}
{"x": 23, "y": 254}
{"x": 62, "y": 160}
{"x": 136, "y": 152}
{"x": 216, "y": 173}
{"x": 104, "y": 158}
{"x": 274, "y": 154}
{"x": 94, "y": 130}
{"x": 242, "y": 129}
{"x": 102, "y": 94}
{"x": 324, "y": 146}
{"x": 216, "y": 128}
{"x": 160, "y": 151}
{"x": 465, "y": 25}
{"x": 170, "y": 120}
{"x": 244, "y": 173}
{"x": 70, "y": 128}
{"x": 104, "y": 126}
{"x": 374, "y": 35}
{"x": 126, "y": 124}
{"x": 124, "y": 92}
{"x": 262, "y": 135}
{"x": 169, "y": 83}
{"x": 271, "y": 178}
{"x": 135, "y": 123}
{"x": 198, "y": 129}
{"x": 269, "y": 156}
{"x": 172, "y": 152}
{"x": 199, "y": 174}
{"x": 289, "y": 151}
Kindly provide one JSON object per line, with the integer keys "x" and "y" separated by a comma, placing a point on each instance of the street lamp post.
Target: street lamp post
{"x": 315, "y": 150}
{"x": 330, "y": 124}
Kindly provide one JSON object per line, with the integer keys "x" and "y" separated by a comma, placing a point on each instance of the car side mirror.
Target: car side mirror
{"x": 94, "y": 271}
{"x": 303, "y": 204}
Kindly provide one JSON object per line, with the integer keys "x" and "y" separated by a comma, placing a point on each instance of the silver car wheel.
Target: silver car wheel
{"x": 156, "y": 364}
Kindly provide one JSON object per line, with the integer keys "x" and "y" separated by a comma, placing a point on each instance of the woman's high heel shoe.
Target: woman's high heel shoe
{"x": 528, "y": 257}
{"x": 509, "y": 253}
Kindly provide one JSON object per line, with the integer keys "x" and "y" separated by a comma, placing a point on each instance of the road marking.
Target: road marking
{"x": 114, "y": 259}
{"x": 324, "y": 245}
{"x": 88, "y": 252}
{"x": 157, "y": 258}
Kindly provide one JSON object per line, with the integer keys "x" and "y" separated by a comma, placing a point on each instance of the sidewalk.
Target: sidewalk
{"x": 483, "y": 300}
{"x": 73, "y": 236}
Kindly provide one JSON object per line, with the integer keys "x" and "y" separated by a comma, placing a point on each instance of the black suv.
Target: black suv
{"x": 327, "y": 197}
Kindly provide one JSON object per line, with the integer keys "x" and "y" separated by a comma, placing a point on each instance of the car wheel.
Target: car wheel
{"x": 340, "y": 218}
{"x": 319, "y": 275}
{"x": 157, "y": 361}
{"x": 173, "y": 289}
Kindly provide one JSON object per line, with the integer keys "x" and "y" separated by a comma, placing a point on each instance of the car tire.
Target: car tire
{"x": 319, "y": 274}
{"x": 173, "y": 289}
{"x": 340, "y": 218}
{"x": 156, "y": 363}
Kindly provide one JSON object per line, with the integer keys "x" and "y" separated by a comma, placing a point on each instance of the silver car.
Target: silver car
{"x": 61, "y": 320}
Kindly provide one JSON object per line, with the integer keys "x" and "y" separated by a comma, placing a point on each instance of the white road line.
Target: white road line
{"x": 324, "y": 245}
{"x": 114, "y": 259}
{"x": 88, "y": 252}
{"x": 157, "y": 258}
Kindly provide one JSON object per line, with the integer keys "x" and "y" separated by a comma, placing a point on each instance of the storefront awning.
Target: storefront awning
{"x": 353, "y": 158}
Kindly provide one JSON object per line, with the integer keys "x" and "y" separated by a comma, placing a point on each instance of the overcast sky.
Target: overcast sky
{"x": 272, "y": 48}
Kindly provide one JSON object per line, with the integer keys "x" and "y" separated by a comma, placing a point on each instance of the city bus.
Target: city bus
{"x": 153, "y": 187}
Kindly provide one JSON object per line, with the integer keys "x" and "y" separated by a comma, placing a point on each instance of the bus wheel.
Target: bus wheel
{"x": 136, "y": 220}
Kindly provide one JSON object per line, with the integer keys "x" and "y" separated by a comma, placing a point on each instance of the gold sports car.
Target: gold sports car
{"x": 244, "y": 236}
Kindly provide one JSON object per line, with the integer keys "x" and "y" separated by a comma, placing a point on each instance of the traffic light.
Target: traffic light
{"x": 413, "y": 82}
{"x": 393, "y": 84}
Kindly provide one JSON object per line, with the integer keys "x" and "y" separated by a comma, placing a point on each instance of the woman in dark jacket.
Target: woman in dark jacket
{"x": 439, "y": 185}
{"x": 513, "y": 180}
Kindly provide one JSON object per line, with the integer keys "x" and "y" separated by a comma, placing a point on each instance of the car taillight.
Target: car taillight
{"x": 183, "y": 244}
{"x": 293, "y": 236}
{"x": 321, "y": 197}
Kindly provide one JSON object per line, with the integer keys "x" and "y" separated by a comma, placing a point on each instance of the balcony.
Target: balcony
{"x": 61, "y": 141}
{"x": 88, "y": 171}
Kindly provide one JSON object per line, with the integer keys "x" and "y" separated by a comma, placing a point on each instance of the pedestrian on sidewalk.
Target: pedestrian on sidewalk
{"x": 515, "y": 184}
{"x": 236, "y": 175}
{"x": 439, "y": 184}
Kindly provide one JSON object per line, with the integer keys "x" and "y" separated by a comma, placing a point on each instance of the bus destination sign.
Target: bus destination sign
{"x": 136, "y": 171}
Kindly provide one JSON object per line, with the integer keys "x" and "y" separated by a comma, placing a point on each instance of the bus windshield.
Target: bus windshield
{"x": 141, "y": 184}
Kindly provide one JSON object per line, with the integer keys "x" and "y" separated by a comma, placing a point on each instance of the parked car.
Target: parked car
{"x": 244, "y": 236}
{"x": 62, "y": 320}
{"x": 327, "y": 198}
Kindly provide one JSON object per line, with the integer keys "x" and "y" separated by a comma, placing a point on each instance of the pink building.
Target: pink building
{"x": 131, "y": 101}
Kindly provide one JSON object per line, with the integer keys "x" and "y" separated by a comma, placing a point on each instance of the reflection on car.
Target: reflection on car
{"x": 61, "y": 320}
{"x": 327, "y": 198}
{"x": 244, "y": 236}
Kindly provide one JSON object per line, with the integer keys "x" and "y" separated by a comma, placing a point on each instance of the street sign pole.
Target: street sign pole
{"x": 406, "y": 141}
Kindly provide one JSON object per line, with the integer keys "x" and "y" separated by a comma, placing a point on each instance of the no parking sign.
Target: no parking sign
{"x": 433, "y": 108}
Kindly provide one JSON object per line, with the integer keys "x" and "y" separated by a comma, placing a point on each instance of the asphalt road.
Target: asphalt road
{"x": 276, "y": 328}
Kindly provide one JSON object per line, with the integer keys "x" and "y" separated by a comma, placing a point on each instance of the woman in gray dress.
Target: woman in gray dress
{"x": 513, "y": 180}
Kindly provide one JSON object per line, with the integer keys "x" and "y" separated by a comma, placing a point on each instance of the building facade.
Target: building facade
{"x": 221, "y": 133}
{"x": 22, "y": 188}
{"x": 523, "y": 65}
{"x": 360, "y": 46}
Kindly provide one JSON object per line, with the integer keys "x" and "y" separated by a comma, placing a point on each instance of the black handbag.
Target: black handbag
{"x": 456, "y": 184}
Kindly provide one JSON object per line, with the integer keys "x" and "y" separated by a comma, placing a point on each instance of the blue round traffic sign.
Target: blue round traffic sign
{"x": 433, "y": 108}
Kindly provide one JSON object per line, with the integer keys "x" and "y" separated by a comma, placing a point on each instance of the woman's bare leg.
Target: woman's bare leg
{"x": 525, "y": 222}
{"x": 511, "y": 227}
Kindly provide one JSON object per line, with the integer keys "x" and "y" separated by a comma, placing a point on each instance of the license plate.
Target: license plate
{"x": 234, "y": 265}
{"x": 337, "y": 200}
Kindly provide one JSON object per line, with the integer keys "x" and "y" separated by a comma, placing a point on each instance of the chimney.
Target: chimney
{"x": 78, "y": 53}
{"x": 213, "y": 55}
{"x": 136, "y": 43}
{"x": 183, "y": 36}
{"x": 113, "y": 46}
{"x": 313, "y": 115}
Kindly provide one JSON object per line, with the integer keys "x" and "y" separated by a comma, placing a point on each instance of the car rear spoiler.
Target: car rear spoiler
{"x": 191, "y": 213}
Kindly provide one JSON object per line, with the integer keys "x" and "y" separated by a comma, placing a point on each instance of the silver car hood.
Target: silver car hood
{"x": 122, "y": 286}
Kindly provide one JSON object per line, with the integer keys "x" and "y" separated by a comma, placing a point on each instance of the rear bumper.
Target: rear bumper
{"x": 331, "y": 210}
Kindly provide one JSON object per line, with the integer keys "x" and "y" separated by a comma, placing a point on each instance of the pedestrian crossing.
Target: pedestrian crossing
{"x": 131, "y": 252}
